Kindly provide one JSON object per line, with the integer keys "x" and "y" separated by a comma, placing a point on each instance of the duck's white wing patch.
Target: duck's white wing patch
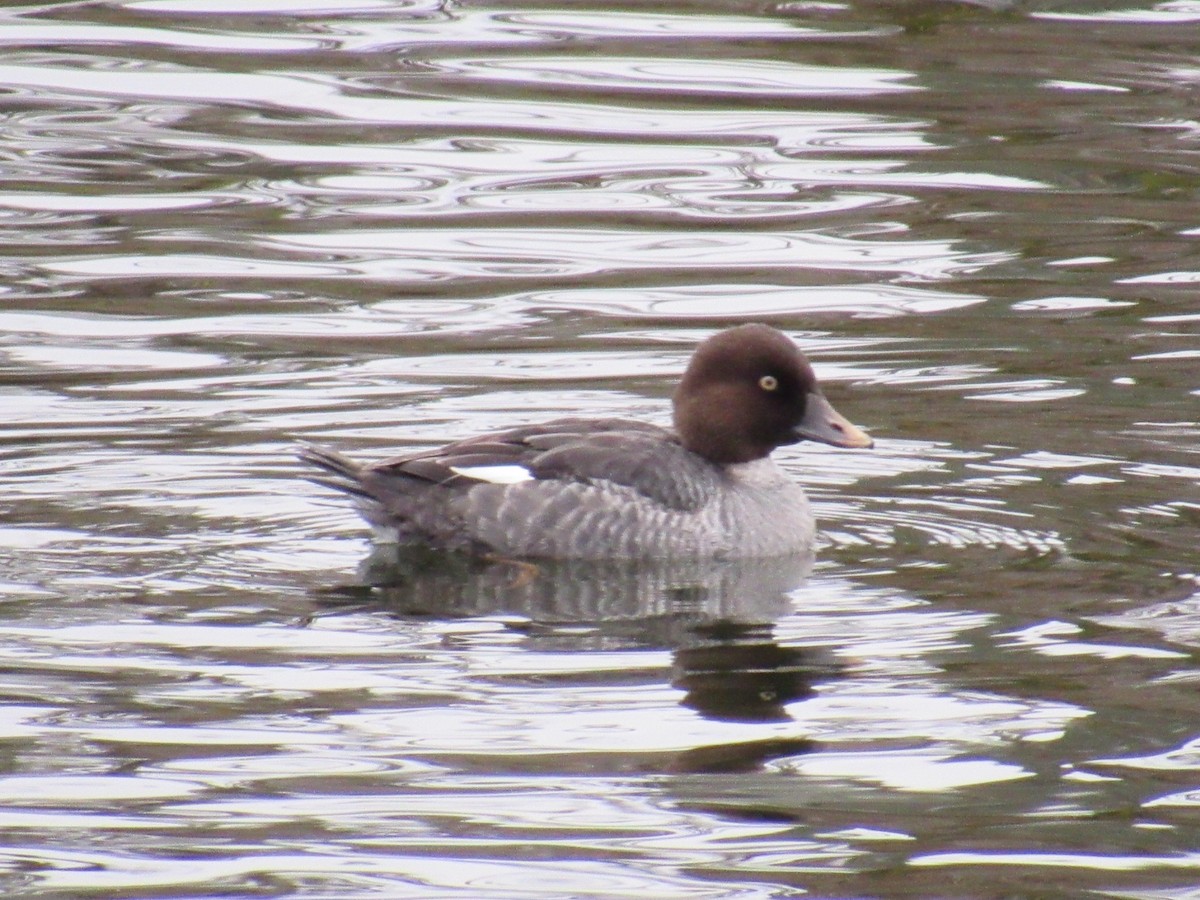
{"x": 507, "y": 474}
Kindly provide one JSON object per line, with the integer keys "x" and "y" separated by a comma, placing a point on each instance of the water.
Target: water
{"x": 229, "y": 227}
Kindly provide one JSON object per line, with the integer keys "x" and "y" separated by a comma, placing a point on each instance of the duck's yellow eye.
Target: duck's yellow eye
{"x": 769, "y": 383}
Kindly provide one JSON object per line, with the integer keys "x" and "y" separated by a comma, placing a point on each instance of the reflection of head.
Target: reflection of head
{"x": 739, "y": 674}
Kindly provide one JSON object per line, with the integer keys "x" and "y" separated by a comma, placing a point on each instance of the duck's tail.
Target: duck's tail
{"x": 344, "y": 474}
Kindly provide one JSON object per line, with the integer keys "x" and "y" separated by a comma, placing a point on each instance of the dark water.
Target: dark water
{"x": 230, "y": 226}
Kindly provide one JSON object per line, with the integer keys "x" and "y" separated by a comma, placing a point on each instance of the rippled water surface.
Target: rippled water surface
{"x": 229, "y": 227}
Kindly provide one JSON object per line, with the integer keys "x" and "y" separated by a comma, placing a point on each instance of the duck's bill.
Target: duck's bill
{"x": 823, "y": 423}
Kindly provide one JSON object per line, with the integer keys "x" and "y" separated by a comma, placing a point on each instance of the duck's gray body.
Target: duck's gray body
{"x": 595, "y": 489}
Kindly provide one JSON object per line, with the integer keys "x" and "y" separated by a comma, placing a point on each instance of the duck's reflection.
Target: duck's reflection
{"x": 716, "y": 616}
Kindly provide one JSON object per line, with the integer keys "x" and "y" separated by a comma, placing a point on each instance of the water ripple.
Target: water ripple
{"x": 688, "y": 77}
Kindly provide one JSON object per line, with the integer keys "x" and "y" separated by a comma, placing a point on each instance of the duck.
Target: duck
{"x": 616, "y": 488}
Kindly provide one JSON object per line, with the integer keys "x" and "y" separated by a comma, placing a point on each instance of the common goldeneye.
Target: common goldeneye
{"x": 619, "y": 489}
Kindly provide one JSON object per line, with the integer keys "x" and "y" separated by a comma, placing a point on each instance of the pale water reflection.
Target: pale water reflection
{"x": 233, "y": 227}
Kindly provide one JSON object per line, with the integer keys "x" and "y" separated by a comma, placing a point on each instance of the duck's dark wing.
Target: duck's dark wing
{"x": 643, "y": 457}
